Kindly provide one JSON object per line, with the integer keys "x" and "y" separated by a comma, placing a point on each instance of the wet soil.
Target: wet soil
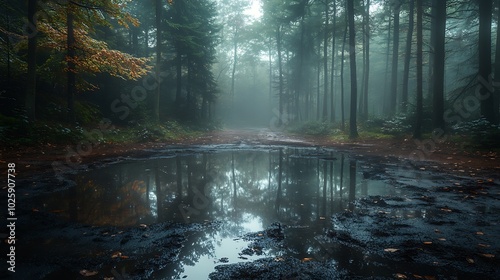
{"x": 446, "y": 229}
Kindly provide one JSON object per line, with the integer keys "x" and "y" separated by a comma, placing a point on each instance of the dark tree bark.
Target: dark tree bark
{"x": 353, "y": 129}
{"x": 406, "y": 71}
{"x": 417, "y": 132}
{"x": 318, "y": 85}
{"x": 71, "y": 72}
{"x": 178, "y": 68}
{"x": 366, "y": 71}
{"x": 325, "y": 64}
{"x": 395, "y": 55}
{"x": 30, "y": 101}
{"x": 156, "y": 102}
{"x": 235, "y": 61}
{"x": 386, "y": 93}
{"x": 270, "y": 74}
{"x": 135, "y": 40}
{"x": 342, "y": 109}
{"x": 496, "y": 96}
{"x": 439, "y": 26}
{"x": 332, "y": 73}
{"x": 484, "y": 45}
{"x": 298, "y": 87}
{"x": 280, "y": 73}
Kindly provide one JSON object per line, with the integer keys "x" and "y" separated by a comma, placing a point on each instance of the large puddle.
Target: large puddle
{"x": 243, "y": 190}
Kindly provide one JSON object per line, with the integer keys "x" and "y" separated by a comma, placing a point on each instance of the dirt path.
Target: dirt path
{"x": 450, "y": 156}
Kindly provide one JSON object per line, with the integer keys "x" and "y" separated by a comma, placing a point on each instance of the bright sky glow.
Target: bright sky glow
{"x": 254, "y": 11}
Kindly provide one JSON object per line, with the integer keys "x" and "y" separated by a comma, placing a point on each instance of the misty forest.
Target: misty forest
{"x": 250, "y": 139}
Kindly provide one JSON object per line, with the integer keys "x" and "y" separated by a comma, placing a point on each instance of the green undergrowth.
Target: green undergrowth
{"x": 20, "y": 132}
{"x": 335, "y": 133}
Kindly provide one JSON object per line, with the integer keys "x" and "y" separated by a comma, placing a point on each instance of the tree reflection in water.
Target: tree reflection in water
{"x": 243, "y": 190}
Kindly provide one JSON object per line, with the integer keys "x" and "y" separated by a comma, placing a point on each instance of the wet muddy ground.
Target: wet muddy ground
{"x": 385, "y": 219}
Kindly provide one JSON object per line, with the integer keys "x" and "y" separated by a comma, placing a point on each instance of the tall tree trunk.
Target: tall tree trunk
{"x": 439, "y": 26}
{"x": 395, "y": 54}
{"x": 235, "y": 60}
{"x": 342, "y": 109}
{"x": 332, "y": 77}
{"x": 189, "y": 98}
{"x": 353, "y": 130}
{"x": 496, "y": 96}
{"x": 386, "y": 92}
{"x": 298, "y": 87}
{"x": 156, "y": 102}
{"x": 325, "y": 64}
{"x": 318, "y": 85}
{"x": 270, "y": 74}
{"x": 178, "y": 68}
{"x": 406, "y": 71}
{"x": 30, "y": 100}
{"x": 363, "y": 67}
{"x": 280, "y": 73}
{"x": 135, "y": 40}
{"x": 9, "y": 79}
{"x": 484, "y": 45}
{"x": 71, "y": 72}
{"x": 366, "y": 71}
{"x": 417, "y": 133}
{"x": 146, "y": 42}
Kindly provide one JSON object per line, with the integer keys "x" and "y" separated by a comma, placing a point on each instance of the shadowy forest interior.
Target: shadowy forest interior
{"x": 152, "y": 68}
{"x": 250, "y": 139}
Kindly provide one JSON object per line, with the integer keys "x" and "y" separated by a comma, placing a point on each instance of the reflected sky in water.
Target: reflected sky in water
{"x": 245, "y": 190}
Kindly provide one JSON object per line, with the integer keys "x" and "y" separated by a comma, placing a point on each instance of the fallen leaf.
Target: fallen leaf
{"x": 143, "y": 226}
{"x": 123, "y": 257}
{"x": 479, "y": 233}
{"x": 116, "y": 255}
{"x": 321, "y": 218}
{"x": 469, "y": 260}
{"x": 401, "y": 276}
{"x": 489, "y": 256}
{"x": 35, "y": 210}
{"x": 307, "y": 259}
{"x": 483, "y": 245}
{"x": 442, "y": 239}
{"x": 391, "y": 250}
{"x": 417, "y": 276}
{"x": 427, "y": 242}
{"x": 429, "y": 277}
{"x": 87, "y": 273}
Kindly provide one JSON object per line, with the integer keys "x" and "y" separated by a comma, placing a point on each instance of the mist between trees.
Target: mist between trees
{"x": 402, "y": 65}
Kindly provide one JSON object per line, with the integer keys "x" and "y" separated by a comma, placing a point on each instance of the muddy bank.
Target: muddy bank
{"x": 51, "y": 248}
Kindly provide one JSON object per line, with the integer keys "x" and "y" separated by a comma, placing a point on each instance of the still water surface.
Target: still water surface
{"x": 244, "y": 190}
